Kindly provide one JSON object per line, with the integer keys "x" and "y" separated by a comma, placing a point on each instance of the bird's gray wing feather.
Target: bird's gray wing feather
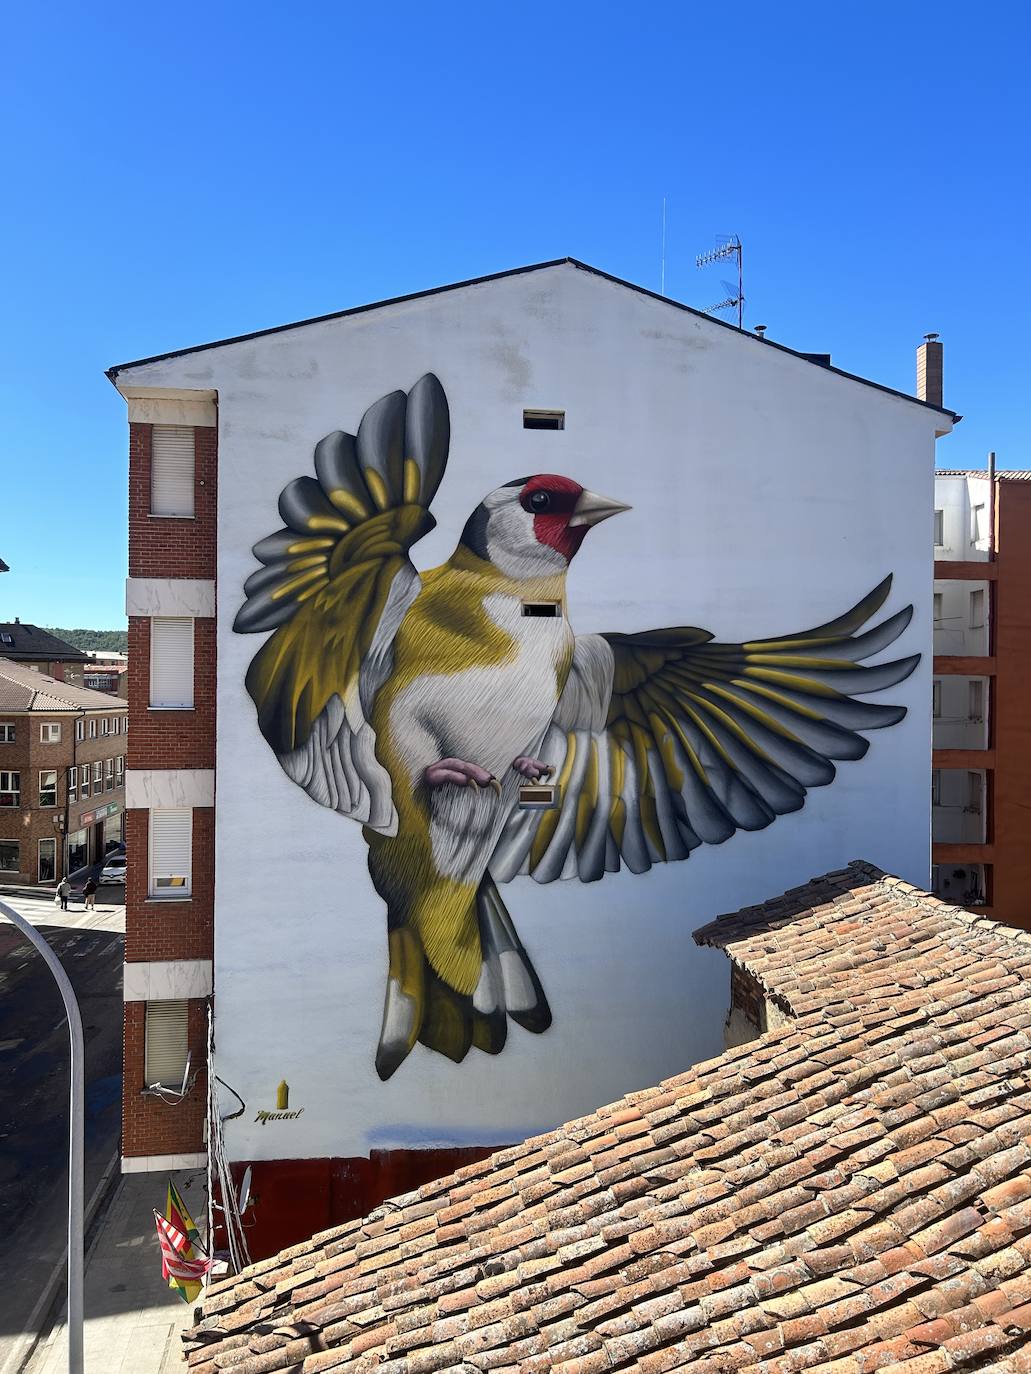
{"x": 666, "y": 740}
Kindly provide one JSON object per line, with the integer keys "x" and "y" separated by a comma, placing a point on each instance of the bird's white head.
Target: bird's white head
{"x": 533, "y": 527}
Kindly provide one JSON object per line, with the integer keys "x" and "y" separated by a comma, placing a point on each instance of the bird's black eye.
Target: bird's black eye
{"x": 540, "y": 500}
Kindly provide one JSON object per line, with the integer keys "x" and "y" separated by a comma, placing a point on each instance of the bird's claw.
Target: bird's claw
{"x": 462, "y": 774}
{"x": 532, "y": 769}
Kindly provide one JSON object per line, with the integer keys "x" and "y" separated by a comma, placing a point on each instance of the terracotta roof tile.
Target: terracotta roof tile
{"x": 849, "y": 1193}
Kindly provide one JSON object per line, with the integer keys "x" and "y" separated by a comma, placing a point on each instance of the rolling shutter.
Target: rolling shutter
{"x": 165, "y": 1045}
{"x": 171, "y": 470}
{"x": 171, "y": 661}
{"x": 171, "y": 836}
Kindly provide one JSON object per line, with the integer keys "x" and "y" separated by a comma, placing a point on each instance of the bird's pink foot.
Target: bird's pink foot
{"x": 460, "y": 773}
{"x": 532, "y": 769}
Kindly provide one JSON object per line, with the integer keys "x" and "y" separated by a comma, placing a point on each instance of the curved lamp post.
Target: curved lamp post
{"x": 75, "y": 1135}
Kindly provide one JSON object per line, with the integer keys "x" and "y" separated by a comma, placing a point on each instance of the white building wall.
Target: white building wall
{"x": 768, "y": 496}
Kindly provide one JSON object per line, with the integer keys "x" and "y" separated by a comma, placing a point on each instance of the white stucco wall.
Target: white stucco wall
{"x": 769, "y": 495}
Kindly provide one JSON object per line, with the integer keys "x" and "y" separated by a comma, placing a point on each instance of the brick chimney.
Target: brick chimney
{"x": 929, "y": 370}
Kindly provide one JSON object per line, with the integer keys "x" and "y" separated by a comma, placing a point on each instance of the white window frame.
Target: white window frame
{"x": 50, "y": 732}
{"x": 98, "y": 776}
{"x": 975, "y": 699}
{"x": 10, "y": 786}
{"x": 165, "y": 886}
{"x": 975, "y": 512}
{"x": 939, "y": 529}
{"x": 975, "y": 793}
{"x": 93, "y": 727}
{"x": 84, "y": 776}
{"x": 979, "y": 600}
{"x": 937, "y": 608}
{"x": 105, "y": 728}
{"x": 48, "y": 773}
{"x": 73, "y": 785}
{"x": 8, "y": 731}
{"x": 109, "y": 775}
{"x": 51, "y": 841}
{"x": 166, "y": 632}
{"x": 166, "y": 1043}
{"x": 179, "y": 443}
{"x": 80, "y": 730}
{"x": 120, "y": 771}
{"x": 936, "y": 698}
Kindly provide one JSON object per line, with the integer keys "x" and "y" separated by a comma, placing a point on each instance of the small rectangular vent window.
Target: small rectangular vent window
{"x": 546, "y": 609}
{"x": 544, "y": 419}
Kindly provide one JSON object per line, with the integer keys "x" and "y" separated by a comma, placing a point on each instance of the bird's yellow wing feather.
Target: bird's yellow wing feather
{"x": 334, "y": 587}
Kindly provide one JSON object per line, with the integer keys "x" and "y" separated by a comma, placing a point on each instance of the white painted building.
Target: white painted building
{"x": 769, "y": 495}
{"x": 960, "y": 702}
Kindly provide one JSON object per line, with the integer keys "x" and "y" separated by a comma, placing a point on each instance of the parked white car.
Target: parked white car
{"x": 113, "y": 871}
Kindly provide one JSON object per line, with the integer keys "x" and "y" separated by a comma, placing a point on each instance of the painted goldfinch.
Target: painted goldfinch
{"x": 419, "y": 704}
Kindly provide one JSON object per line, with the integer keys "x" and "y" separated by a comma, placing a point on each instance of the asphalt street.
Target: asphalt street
{"x": 34, "y": 1085}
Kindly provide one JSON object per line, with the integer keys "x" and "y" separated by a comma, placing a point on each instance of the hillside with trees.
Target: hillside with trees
{"x": 114, "y": 641}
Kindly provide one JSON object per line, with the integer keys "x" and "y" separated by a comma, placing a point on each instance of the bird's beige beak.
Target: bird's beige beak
{"x": 592, "y": 509}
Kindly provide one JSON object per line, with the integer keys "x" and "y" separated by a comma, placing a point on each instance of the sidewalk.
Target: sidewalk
{"x": 133, "y": 1319}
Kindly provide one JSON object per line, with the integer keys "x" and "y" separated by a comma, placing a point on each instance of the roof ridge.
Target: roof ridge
{"x": 112, "y": 372}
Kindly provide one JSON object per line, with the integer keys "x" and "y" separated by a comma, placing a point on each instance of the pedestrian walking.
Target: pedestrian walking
{"x": 64, "y": 891}
{"x": 90, "y": 893}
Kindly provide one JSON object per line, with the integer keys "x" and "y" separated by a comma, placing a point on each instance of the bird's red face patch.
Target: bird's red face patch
{"x": 551, "y": 500}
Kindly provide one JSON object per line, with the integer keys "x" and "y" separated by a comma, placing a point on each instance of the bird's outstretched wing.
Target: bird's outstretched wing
{"x": 666, "y": 740}
{"x": 335, "y": 585}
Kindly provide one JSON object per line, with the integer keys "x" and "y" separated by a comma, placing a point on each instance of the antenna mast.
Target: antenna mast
{"x": 662, "y": 266}
{"x": 727, "y": 246}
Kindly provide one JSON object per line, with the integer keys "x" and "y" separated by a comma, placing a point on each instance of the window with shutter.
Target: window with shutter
{"x": 171, "y": 843}
{"x": 171, "y": 470}
{"x": 165, "y": 1044}
{"x": 171, "y": 662}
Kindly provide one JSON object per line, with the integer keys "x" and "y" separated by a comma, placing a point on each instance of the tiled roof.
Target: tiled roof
{"x": 29, "y": 642}
{"x": 23, "y": 689}
{"x": 849, "y": 1193}
{"x": 1007, "y": 474}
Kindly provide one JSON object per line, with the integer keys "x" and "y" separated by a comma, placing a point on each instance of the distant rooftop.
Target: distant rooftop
{"x": 26, "y": 643}
{"x": 24, "y": 689}
{"x": 1007, "y": 474}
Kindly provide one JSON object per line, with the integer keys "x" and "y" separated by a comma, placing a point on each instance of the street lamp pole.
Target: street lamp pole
{"x": 76, "y": 1116}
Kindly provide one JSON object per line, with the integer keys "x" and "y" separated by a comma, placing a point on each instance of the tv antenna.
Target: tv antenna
{"x": 727, "y": 246}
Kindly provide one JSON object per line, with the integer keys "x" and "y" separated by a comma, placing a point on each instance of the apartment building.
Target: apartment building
{"x": 324, "y": 444}
{"x": 981, "y": 776}
{"x": 62, "y": 775}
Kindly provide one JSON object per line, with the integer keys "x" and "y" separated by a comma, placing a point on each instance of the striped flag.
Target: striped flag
{"x": 176, "y": 1213}
{"x": 179, "y": 1265}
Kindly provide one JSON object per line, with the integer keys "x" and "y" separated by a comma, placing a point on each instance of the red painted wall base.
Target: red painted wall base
{"x": 292, "y": 1199}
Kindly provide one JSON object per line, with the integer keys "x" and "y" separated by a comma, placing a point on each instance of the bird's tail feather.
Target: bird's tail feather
{"x": 419, "y": 1005}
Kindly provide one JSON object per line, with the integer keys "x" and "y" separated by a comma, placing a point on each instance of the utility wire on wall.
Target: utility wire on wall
{"x": 218, "y": 1166}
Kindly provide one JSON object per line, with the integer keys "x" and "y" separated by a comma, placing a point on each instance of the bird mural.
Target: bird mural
{"x": 425, "y": 705}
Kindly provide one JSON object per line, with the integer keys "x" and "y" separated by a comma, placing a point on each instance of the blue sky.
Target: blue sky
{"x": 181, "y": 173}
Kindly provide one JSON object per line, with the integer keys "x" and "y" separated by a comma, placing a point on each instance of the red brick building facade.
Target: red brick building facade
{"x": 62, "y": 775}
{"x": 169, "y": 928}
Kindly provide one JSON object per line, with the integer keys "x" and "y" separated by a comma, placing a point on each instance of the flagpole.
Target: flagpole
{"x": 76, "y": 1116}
